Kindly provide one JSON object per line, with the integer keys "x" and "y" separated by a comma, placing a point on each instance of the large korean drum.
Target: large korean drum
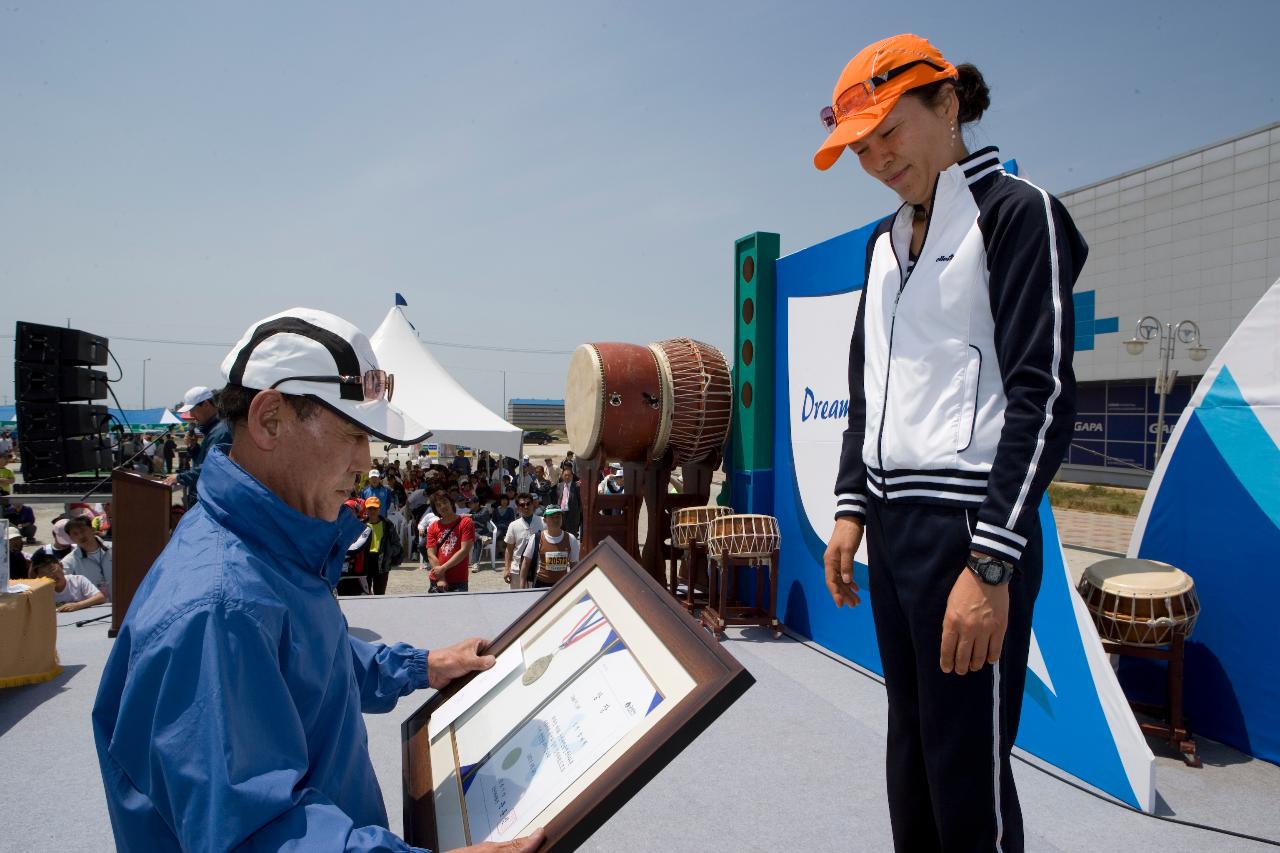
{"x": 1139, "y": 602}
{"x": 689, "y": 525}
{"x": 702, "y": 388}
{"x": 617, "y": 403}
{"x": 743, "y": 536}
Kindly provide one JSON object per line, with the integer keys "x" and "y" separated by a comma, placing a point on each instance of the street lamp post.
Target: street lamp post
{"x": 144, "y": 382}
{"x": 1149, "y": 329}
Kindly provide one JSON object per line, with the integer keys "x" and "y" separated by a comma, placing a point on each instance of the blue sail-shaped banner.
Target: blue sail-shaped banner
{"x": 1213, "y": 510}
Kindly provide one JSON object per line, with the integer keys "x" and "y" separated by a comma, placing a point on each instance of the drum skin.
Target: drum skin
{"x": 689, "y": 525}
{"x": 743, "y": 536}
{"x": 1139, "y": 602}
{"x": 702, "y": 391}
{"x": 615, "y": 402}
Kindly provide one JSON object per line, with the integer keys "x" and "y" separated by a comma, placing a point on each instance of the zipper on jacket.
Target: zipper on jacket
{"x": 893, "y": 321}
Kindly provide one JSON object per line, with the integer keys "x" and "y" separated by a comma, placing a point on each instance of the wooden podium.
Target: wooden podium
{"x": 140, "y": 518}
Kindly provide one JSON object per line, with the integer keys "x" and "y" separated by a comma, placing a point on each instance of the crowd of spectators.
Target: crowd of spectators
{"x": 520, "y": 517}
{"x": 472, "y": 514}
{"x": 77, "y": 559}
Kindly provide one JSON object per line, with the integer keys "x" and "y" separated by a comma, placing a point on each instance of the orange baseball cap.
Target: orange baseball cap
{"x": 870, "y": 85}
{"x": 371, "y": 502}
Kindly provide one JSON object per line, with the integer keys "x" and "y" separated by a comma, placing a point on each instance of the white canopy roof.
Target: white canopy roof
{"x": 428, "y": 394}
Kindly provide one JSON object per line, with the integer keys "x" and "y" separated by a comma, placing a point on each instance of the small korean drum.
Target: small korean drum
{"x": 743, "y": 536}
{"x": 689, "y": 525}
{"x": 1139, "y": 602}
{"x": 617, "y": 402}
{"x": 702, "y": 389}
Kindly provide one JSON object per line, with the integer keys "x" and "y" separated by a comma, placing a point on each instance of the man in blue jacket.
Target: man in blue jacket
{"x": 375, "y": 489}
{"x": 229, "y": 713}
{"x": 198, "y": 402}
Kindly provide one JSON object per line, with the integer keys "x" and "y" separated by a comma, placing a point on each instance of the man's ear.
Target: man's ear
{"x": 265, "y": 422}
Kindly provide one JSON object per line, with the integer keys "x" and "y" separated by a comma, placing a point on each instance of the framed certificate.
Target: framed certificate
{"x": 596, "y": 687}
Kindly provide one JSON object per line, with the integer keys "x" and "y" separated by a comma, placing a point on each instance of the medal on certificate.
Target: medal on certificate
{"x": 586, "y": 625}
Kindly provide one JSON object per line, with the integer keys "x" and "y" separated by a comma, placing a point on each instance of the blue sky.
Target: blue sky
{"x": 528, "y": 175}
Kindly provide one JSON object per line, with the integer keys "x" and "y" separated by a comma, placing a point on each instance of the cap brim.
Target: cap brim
{"x": 186, "y": 407}
{"x": 851, "y": 130}
{"x": 378, "y": 418}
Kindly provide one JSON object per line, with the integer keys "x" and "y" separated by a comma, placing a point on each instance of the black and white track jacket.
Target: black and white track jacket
{"x": 961, "y": 391}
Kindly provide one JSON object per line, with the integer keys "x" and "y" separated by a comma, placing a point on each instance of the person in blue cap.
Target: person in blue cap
{"x": 229, "y": 715}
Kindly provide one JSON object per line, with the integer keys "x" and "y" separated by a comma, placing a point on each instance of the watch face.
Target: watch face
{"x": 991, "y": 570}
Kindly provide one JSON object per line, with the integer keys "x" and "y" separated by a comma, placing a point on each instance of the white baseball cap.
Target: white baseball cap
{"x": 60, "y": 536}
{"x": 320, "y": 356}
{"x": 194, "y": 397}
{"x": 374, "y": 472}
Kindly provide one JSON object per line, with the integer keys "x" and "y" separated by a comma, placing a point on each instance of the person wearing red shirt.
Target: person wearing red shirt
{"x": 449, "y": 540}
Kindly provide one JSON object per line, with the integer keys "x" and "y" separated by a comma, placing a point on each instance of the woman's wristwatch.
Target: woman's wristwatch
{"x": 990, "y": 570}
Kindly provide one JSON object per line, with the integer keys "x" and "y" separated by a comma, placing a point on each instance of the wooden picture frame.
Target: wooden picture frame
{"x": 663, "y": 637}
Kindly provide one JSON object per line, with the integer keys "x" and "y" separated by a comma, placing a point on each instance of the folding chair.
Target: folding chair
{"x": 493, "y": 543}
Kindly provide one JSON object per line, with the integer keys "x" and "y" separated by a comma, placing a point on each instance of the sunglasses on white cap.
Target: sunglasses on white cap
{"x": 315, "y": 350}
{"x": 375, "y": 384}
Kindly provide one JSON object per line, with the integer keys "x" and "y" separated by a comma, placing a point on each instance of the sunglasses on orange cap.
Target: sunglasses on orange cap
{"x": 374, "y": 383}
{"x": 859, "y": 96}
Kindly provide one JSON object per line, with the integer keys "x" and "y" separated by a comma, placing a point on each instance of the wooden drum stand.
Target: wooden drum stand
{"x": 735, "y": 542}
{"x": 1172, "y": 727}
{"x": 689, "y": 563}
{"x": 723, "y": 610}
{"x": 645, "y": 485}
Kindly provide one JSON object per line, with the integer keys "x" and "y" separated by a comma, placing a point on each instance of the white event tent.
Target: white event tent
{"x": 428, "y": 394}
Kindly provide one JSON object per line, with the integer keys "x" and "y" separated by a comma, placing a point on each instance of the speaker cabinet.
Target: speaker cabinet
{"x": 53, "y": 383}
{"x": 47, "y": 421}
{"x": 754, "y": 337}
{"x": 55, "y": 345}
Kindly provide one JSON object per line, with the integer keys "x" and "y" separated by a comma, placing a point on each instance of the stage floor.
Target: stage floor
{"x": 795, "y": 765}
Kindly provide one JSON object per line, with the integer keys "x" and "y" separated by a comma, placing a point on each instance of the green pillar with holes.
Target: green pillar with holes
{"x": 755, "y": 317}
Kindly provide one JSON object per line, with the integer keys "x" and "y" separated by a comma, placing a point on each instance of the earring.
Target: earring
{"x": 953, "y": 131}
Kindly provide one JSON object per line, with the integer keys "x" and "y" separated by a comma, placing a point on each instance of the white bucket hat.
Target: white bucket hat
{"x": 318, "y": 355}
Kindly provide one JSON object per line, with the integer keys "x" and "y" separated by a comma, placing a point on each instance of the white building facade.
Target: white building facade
{"x": 1195, "y": 237}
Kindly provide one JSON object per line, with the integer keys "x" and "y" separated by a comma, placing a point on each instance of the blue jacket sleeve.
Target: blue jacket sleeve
{"x": 226, "y": 766}
{"x": 187, "y": 479}
{"x": 385, "y": 673}
{"x": 220, "y": 433}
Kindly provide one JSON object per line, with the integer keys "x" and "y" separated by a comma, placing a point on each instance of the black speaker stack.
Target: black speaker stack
{"x": 61, "y": 426}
